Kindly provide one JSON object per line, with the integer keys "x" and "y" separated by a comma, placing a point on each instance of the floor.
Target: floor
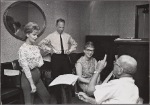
{"x": 75, "y": 100}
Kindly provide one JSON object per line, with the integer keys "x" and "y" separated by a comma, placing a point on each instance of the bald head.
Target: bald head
{"x": 128, "y": 63}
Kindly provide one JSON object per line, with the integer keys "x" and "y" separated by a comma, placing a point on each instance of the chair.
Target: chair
{"x": 140, "y": 100}
{"x": 46, "y": 73}
{"x": 11, "y": 92}
{"x": 73, "y": 59}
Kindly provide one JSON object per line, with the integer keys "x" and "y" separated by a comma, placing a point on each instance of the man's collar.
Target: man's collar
{"x": 59, "y": 33}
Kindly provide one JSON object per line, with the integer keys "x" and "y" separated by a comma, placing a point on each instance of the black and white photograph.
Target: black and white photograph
{"x": 74, "y": 52}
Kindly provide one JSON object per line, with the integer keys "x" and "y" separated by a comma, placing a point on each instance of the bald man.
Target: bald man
{"x": 118, "y": 91}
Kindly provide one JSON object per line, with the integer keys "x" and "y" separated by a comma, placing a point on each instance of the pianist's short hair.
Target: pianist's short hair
{"x": 89, "y": 44}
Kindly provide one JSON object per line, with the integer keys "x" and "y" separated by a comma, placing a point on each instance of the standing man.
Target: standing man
{"x": 59, "y": 44}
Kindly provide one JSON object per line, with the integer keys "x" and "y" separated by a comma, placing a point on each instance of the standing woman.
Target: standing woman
{"x": 30, "y": 60}
{"x": 86, "y": 66}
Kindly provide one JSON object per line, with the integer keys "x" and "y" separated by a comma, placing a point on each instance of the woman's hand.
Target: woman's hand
{"x": 101, "y": 64}
{"x": 33, "y": 88}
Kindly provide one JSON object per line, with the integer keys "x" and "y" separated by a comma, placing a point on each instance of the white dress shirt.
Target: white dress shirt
{"x": 52, "y": 44}
{"x": 118, "y": 91}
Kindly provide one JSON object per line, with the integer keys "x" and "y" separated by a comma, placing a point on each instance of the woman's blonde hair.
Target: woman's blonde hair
{"x": 30, "y": 27}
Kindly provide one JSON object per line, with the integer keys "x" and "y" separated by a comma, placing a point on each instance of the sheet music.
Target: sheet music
{"x": 68, "y": 79}
{"x": 10, "y": 72}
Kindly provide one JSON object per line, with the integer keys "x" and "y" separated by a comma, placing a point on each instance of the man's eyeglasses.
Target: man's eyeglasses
{"x": 115, "y": 63}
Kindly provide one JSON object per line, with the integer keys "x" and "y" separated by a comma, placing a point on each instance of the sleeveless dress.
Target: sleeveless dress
{"x": 88, "y": 68}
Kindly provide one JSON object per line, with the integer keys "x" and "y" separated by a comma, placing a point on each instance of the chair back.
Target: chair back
{"x": 73, "y": 57}
{"x": 10, "y": 81}
{"x": 5, "y": 82}
{"x": 15, "y": 65}
{"x": 140, "y": 100}
{"x": 11, "y": 84}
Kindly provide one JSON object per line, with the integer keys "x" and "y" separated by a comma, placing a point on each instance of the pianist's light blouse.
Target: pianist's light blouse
{"x": 29, "y": 58}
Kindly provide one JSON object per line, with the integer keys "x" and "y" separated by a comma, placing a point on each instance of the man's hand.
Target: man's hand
{"x": 67, "y": 52}
{"x": 101, "y": 64}
{"x": 58, "y": 52}
{"x": 82, "y": 96}
{"x": 33, "y": 88}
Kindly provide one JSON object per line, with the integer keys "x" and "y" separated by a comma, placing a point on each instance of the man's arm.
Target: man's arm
{"x": 100, "y": 66}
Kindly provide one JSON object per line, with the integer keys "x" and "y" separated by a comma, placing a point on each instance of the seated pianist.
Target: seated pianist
{"x": 118, "y": 91}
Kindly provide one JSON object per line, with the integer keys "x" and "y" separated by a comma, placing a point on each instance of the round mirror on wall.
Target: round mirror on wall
{"x": 18, "y": 14}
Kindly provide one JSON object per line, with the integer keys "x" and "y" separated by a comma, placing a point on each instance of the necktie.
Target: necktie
{"x": 62, "y": 49}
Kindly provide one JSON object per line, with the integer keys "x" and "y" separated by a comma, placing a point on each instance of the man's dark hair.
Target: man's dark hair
{"x": 60, "y": 20}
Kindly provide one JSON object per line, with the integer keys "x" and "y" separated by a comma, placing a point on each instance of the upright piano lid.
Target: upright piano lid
{"x": 132, "y": 40}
